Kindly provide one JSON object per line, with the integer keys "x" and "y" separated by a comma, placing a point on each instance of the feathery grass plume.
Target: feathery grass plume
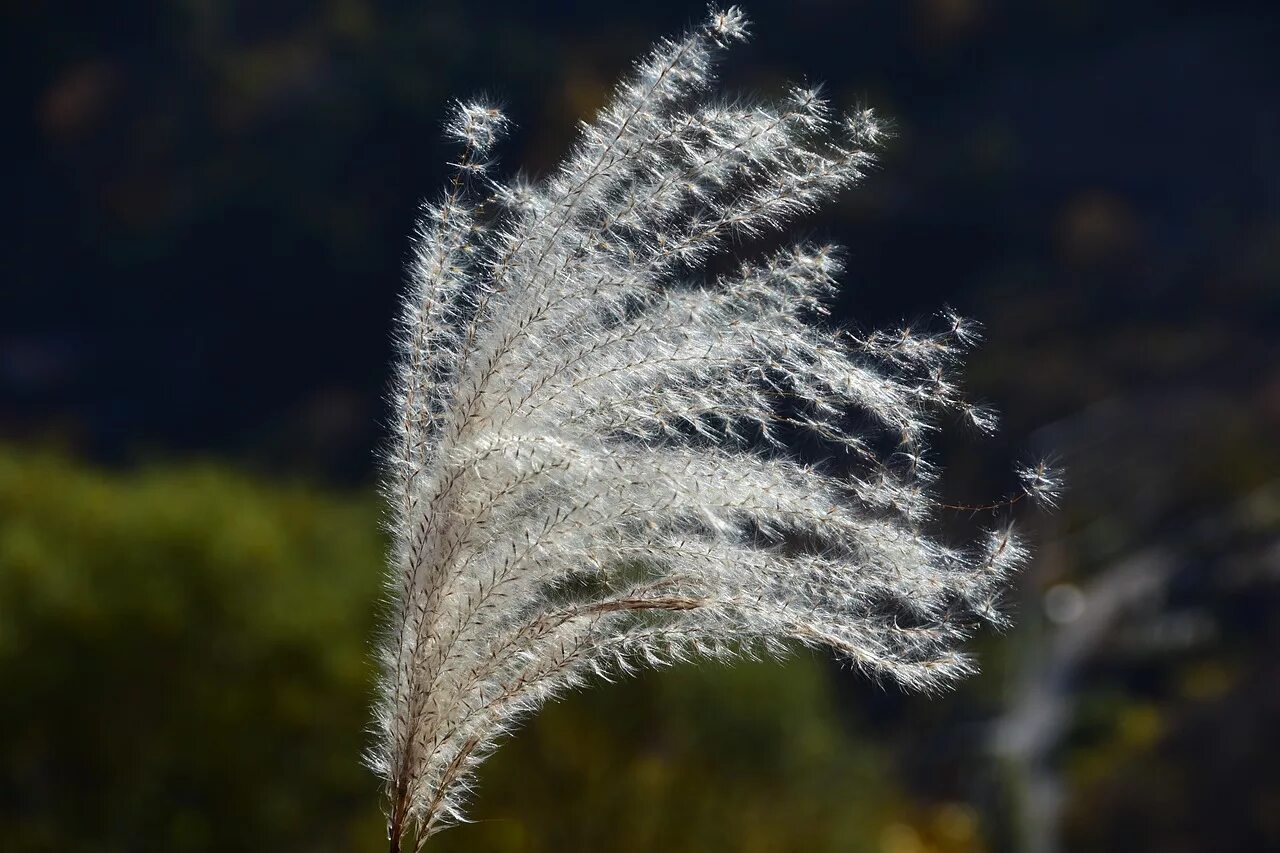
{"x": 594, "y": 467}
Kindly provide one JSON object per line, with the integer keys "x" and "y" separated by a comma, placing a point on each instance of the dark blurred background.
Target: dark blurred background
{"x": 209, "y": 209}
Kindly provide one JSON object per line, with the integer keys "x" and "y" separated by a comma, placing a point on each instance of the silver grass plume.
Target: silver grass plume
{"x": 593, "y": 465}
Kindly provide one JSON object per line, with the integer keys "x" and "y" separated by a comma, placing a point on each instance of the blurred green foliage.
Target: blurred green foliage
{"x": 185, "y": 654}
{"x": 184, "y": 660}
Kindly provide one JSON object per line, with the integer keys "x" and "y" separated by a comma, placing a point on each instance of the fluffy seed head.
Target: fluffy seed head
{"x": 597, "y": 456}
